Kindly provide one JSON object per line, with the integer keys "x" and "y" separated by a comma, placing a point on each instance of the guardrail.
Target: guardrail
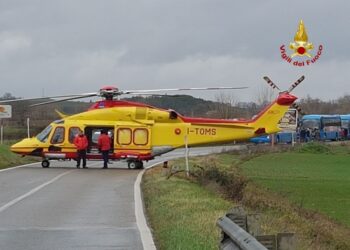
{"x": 236, "y": 236}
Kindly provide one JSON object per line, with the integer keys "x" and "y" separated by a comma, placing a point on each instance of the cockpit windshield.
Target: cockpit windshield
{"x": 43, "y": 135}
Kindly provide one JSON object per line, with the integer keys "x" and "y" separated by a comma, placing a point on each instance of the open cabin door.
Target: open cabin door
{"x": 92, "y": 133}
{"x": 133, "y": 139}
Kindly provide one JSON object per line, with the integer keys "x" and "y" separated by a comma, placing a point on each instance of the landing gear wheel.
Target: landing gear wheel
{"x": 135, "y": 164}
{"x": 132, "y": 165}
{"x": 45, "y": 163}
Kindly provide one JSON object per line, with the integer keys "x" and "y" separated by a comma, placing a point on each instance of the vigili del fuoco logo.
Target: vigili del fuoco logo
{"x": 301, "y": 48}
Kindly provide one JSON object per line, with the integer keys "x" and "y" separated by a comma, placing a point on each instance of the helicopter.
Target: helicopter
{"x": 140, "y": 132}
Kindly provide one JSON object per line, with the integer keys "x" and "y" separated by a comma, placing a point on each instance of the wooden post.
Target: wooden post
{"x": 1, "y": 132}
{"x": 186, "y": 156}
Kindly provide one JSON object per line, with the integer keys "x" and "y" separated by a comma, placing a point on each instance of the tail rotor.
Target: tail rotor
{"x": 269, "y": 82}
{"x": 298, "y": 108}
{"x": 291, "y": 88}
{"x": 295, "y": 84}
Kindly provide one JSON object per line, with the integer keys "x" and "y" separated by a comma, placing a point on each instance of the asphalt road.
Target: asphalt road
{"x": 62, "y": 207}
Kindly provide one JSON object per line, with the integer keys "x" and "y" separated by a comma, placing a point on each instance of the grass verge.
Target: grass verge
{"x": 182, "y": 214}
{"x": 9, "y": 159}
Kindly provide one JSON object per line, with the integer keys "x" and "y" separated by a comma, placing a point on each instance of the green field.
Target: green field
{"x": 320, "y": 182}
{"x": 305, "y": 191}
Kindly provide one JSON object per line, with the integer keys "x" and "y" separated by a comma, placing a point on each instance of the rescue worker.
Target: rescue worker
{"x": 81, "y": 143}
{"x": 104, "y": 144}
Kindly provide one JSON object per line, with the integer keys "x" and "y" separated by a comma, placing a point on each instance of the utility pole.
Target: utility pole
{"x": 28, "y": 131}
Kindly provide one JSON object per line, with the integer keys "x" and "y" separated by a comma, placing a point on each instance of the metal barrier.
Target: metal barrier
{"x": 235, "y": 238}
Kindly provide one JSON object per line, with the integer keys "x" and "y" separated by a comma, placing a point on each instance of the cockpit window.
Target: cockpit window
{"x": 73, "y": 132}
{"x": 58, "y": 135}
{"x": 43, "y": 135}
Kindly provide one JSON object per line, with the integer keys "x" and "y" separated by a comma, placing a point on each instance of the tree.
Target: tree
{"x": 264, "y": 95}
{"x": 225, "y": 105}
{"x": 7, "y": 96}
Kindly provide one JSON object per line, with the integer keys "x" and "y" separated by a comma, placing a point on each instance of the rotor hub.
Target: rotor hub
{"x": 109, "y": 92}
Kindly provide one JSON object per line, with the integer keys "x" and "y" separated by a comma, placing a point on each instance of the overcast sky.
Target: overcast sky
{"x": 73, "y": 46}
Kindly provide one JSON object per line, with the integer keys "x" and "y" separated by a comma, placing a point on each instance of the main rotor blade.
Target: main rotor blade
{"x": 155, "y": 95}
{"x": 296, "y": 84}
{"x": 47, "y": 97}
{"x": 269, "y": 82}
{"x": 64, "y": 99}
{"x": 178, "y": 89}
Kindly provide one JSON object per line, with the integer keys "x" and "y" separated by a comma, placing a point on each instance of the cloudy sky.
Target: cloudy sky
{"x": 73, "y": 46}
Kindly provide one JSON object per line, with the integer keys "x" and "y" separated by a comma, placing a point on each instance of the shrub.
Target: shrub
{"x": 230, "y": 183}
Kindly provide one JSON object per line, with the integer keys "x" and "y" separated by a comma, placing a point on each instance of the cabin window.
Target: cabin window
{"x": 58, "y": 135}
{"x": 140, "y": 136}
{"x": 73, "y": 132}
{"x": 124, "y": 136}
{"x": 43, "y": 135}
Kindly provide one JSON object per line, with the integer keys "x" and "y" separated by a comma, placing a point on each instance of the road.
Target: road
{"x": 63, "y": 207}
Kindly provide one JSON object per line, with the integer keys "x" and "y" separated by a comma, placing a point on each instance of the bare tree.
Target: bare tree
{"x": 225, "y": 105}
{"x": 7, "y": 96}
{"x": 264, "y": 95}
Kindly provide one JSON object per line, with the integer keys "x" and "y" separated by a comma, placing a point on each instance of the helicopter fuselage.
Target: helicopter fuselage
{"x": 140, "y": 132}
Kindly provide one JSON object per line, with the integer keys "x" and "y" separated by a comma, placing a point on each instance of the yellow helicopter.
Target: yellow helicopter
{"x": 140, "y": 132}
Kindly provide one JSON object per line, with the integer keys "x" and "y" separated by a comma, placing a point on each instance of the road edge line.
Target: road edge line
{"x": 20, "y": 166}
{"x": 145, "y": 231}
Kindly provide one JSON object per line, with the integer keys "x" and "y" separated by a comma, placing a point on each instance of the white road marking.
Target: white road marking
{"x": 21, "y": 166}
{"x": 33, "y": 191}
{"x": 145, "y": 232}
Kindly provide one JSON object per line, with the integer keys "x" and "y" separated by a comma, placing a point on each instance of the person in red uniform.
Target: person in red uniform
{"x": 81, "y": 143}
{"x": 104, "y": 144}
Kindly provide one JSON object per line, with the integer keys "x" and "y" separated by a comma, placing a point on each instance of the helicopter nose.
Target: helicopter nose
{"x": 24, "y": 147}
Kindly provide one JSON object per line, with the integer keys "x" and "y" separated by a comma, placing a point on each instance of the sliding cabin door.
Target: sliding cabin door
{"x": 133, "y": 140}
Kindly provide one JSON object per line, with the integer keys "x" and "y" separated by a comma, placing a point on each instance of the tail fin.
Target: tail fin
{"x": 266, "y": 122}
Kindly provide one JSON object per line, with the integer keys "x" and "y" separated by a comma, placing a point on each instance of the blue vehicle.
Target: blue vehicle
{"x": 281, "y": 137}
{"x": 320, "y": 127}
{"x": 286, "y": 137}
{"x": 261, "y": 139}
{"x": 345, "y": 126}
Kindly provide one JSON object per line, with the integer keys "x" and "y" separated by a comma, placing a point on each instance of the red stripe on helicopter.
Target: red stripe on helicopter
{"x": 284, "y": 99}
